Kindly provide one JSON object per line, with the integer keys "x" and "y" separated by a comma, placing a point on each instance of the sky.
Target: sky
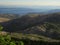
{"x": 30, "y": 2}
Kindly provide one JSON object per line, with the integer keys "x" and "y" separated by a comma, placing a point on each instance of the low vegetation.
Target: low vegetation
{"x": 32, "y": 30}
{"x": 23, "y": 39}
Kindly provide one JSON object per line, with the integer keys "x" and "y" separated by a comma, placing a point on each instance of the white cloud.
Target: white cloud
{"x": 52, "y": 3}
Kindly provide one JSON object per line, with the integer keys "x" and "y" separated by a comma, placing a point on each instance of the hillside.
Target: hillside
{"x": 9, "y": 16}
{"x": 45, "y": 25}
{"x": 4, "y": 19}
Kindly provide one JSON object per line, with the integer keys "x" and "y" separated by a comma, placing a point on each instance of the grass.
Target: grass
{"x": 33, "y": 37}
{"x": 4, "y": 19}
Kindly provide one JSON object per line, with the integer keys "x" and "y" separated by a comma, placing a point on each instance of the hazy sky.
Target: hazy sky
{"x": 31, "y": 2}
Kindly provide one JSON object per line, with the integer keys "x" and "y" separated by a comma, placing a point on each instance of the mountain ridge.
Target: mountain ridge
{"x": 47, "y": 25}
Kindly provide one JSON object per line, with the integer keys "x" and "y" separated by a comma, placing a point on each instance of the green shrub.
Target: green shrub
{"x": 7, "y": 39}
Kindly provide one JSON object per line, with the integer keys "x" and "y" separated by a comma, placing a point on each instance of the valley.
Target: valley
{"x": 33, "y": 27}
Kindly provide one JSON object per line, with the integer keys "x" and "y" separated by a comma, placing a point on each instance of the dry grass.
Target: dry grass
{"x": 4, "y": 19}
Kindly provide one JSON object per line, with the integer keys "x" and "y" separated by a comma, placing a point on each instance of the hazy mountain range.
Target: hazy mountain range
{"x": 43, "y": 23}
{"x": 25, "y": 10}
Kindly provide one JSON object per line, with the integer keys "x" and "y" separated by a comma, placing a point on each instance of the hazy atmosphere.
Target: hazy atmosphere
{"x": 31, "y": 2}
{"x": 29, "y": 22}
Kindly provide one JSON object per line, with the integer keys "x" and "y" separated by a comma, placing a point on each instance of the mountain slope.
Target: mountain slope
{"x": 46, "y": 25}
{"x": 4, "y": 19}
{"x": 9, "y": 16}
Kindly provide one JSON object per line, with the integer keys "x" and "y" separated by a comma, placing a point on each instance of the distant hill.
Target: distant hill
{"x": 53, "y": 11}
{"x": 9, "y": 16}
{"x": 25, "y": 10}
{"x": 22, "y": 10}
{"x": 47, "y": 25}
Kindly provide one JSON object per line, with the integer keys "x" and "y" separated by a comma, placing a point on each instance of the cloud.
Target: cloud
{"x": 36, "y": 3}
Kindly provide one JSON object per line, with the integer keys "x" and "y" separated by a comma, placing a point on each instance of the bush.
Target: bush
{"x": 7, "y": 39}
